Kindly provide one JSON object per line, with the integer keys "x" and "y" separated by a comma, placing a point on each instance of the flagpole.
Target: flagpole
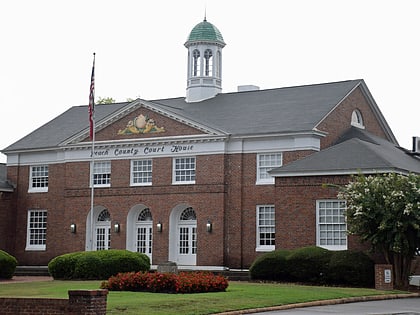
{"x": 92, "y": 154}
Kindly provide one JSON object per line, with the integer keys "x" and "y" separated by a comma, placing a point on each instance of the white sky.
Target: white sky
{"x": 47, "y": 45}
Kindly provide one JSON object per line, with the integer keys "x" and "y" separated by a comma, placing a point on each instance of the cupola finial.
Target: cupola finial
{"x": 205, "y": 13}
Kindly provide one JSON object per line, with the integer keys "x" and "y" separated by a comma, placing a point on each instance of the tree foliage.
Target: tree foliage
{"x": 105, "y": 100}
{"x": 385, "y": 211}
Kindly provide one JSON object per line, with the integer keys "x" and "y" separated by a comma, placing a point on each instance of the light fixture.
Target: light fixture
{"x": 117, "y": 227}
{"x": 73, "y": 227}
{"x": 209, "y": 226}
{"x": 159, "y": 227}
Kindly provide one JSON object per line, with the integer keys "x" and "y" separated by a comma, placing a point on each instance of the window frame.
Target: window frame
{"x": 260, "y": 172}
{"x": 259, "y": 247}
{"x": 175, "y": 170}
{"x": 43, "y": 214}
{"x": 318, "y": 225}
{"x": 93, "y": 173}
{"x": 43, "y": 179}
{"x": 132, "y": 177}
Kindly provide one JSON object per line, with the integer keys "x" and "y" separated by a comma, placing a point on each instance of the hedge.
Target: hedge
{"x": 271, "y": 266}
{"x": 97, "y": 264}
{"x": 8, "y": 265}
{"x": 315, "y": 265}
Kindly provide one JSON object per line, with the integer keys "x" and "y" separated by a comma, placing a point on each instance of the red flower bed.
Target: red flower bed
{"x": 184, "y": 282}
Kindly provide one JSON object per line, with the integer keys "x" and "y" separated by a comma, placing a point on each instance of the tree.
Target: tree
{"x": 105, "y": 100}
{"x": 385, "y": 211}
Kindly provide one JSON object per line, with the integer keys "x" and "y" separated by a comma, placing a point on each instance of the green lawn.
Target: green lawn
{"x": 239, "y": 295}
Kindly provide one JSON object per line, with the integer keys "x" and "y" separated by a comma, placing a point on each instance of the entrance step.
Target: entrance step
{"x": 31, "y": 271}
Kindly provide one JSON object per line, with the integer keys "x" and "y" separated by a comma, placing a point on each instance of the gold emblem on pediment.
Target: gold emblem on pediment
{"x": 141, "y": 124}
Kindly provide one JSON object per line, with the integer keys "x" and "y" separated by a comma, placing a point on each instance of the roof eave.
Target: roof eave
{"x": 367, "y": 171}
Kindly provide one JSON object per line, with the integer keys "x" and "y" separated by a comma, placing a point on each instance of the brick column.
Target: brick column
{"x": 88, "y": 302}
{"x": 384, "y": 279}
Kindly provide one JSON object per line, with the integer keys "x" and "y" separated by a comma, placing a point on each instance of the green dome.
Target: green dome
{"x": 205, "y": 32}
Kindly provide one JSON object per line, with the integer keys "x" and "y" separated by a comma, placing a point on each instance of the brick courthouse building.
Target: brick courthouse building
{"x": 192, "y": 179}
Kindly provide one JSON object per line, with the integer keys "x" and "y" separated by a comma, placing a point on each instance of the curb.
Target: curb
{"x": 322, "y": 303}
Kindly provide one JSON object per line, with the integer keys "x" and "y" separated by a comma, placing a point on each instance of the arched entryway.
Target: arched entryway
{"x": 140, "y": 230}
{"x": 98, "y": 234}
{"x": 183, "y": 236}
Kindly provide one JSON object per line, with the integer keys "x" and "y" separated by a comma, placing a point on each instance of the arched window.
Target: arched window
{"x": 357, "y": 119}
{"x": 188, "y": 214}
{"x": 104, "y": 216}
{"x": 208, "y": 56}
{"x": 196, "y": 63}
{"x": 145, "y": 215}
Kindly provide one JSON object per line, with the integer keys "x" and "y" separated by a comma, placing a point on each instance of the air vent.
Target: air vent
{"x": 416, "y": 144}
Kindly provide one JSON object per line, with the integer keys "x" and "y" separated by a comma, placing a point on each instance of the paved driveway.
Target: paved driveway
{"x": 406, "y": 306}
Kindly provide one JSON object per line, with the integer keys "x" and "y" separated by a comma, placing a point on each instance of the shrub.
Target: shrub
{"x": 8, "y": 265}
{"x": 271, "y": 266}
{"x": 309, "y": 264}
{"x": 97, "y": 264}
{"x": 184, "y": 282}
{"x": 351, "y": 268}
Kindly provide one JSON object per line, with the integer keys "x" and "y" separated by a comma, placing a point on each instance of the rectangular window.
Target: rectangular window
{"x": 36, "y": 235}
{"x": 184, "y": 170}
{"x": 102, "y": 174}
{"x": 38, "y": 181}
{"x": 266, "y": 228}
{"x": 265, "y": 163}
{"x": 141, "y": 172}
{"x": 331, "y": 224}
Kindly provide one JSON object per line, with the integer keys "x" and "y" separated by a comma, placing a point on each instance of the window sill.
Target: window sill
{"x": 35, "y": 248}
{"x": 265, "y": 249}
{"x": 37, "y": 190}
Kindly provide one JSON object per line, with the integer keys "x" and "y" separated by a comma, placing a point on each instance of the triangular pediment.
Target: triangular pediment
{"x": 142, "y": 120}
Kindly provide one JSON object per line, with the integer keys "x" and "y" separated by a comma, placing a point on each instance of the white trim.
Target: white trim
{"x": 270, "y": 180}
{"x": 92, "y": 172}
{"x": 29, "y": 246}
{"x": 132, "y": 177}
{"x": 318, "y": 232}
{"x": 258, "y": 247}
{"x": 32, "y": 189}
{"x": 187, "y": 182}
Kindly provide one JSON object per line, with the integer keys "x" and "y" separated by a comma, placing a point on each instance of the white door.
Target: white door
{"x": 144, "y": 239}
{"x": 102, "y": 231}
{"x": 187, "y": 238}
{"x": 103, "y": 238}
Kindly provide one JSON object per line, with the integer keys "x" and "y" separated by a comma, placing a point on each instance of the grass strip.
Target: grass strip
{"x": 238, "y": 296}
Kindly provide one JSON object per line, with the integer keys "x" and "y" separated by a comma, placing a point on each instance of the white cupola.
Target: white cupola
{"x": 204, "y": 79}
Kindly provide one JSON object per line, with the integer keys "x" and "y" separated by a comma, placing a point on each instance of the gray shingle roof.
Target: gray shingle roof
{"x": 282, "y": 110}
{"x": 64, "y": 126}
{"x": 357, "y": 151}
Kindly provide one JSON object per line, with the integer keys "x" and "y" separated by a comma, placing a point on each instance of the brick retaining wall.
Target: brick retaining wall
{"x": 86, "y": 302}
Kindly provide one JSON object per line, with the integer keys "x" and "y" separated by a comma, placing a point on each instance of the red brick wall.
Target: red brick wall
{"x": 296, "y": 209}
{"x": 339, "y": 120}
{"x": 80, "y": 302}
{"x": 7, "y": 221}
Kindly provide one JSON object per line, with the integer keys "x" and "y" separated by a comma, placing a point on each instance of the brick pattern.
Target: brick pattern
{"x": 87, "y": 302}
{"x": 225, "y": 193}
{"x": 380, "y": 283}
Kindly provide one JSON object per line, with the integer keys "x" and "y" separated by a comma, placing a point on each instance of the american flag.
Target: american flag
{"x": 92, "y": 101}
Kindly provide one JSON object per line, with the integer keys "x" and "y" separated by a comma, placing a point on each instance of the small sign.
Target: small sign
{"x": 387, "y": 275}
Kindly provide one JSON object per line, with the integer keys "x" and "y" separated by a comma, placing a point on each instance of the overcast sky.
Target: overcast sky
{"x": 47, "y": 47}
